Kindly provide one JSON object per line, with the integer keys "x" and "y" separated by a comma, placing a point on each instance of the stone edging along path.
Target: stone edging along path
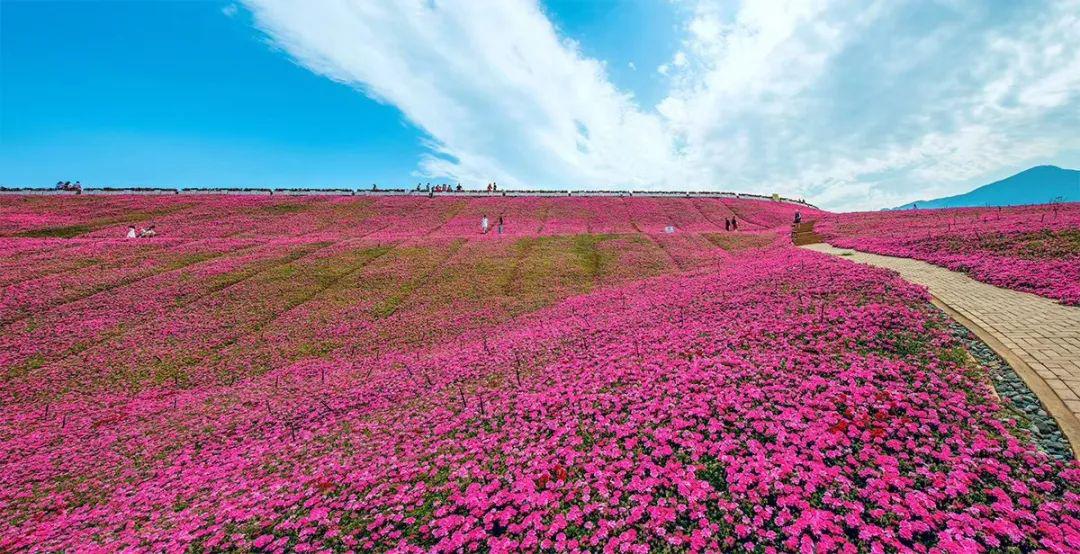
{"x": 1038, "y": 337}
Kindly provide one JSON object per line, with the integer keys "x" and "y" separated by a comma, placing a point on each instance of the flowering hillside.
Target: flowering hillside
{"x": 1032, "y": 249}
{"x": 376, "y": 374}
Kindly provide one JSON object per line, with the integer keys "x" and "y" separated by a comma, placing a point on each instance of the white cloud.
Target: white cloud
{"x": 503, "y": 97}
{"x": 850, "y": 104}
{"x": 230, "y": 10}
{"x": 631, "y": 66}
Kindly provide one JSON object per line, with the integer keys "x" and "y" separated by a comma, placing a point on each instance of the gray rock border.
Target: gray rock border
{"x": 1030, "y": 414}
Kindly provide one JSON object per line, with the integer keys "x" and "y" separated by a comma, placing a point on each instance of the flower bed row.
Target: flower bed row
{"x": 785, "y": 401}
{"x": 1032, "y": 249}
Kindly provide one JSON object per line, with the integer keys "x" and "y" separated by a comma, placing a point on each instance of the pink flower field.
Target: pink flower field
{"x": 364, "y": 374}
{"x": 1033, "y": 249}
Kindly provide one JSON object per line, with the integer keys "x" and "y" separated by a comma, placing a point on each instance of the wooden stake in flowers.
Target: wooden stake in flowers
{"x": 461, "y": 395}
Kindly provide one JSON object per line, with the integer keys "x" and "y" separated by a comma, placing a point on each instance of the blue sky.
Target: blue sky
{"x": 852, "y": 105}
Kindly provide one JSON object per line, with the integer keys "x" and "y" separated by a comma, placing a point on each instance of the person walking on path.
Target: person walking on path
{"x": 500, "y": 223}
{"x": 798, "y": 217}
{"x": 484, "y": 224}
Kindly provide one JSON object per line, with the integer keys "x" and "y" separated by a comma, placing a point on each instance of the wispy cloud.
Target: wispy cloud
{"x": 851, "y": 104}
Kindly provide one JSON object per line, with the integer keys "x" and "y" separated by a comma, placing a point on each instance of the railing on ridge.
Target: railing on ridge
{"x": 398, "y": 192}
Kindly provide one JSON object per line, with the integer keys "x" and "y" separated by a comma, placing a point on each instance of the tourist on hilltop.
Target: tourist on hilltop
{"x": 59, "y": 185}
{"x": 494, "y": 186}
{"x": 734, "y": 224}
{"x": 131, "y": 232}
{"x": 798, "y": 217}
{"x": 500, "y": 223}
{"x": 484, "y": 224}
{"x": 489, "y": 187}
{"x": 459, "y": 187}
{"x": 727, "y": 224}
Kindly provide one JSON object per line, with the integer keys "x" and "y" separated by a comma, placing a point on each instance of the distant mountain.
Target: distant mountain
{"x": 1039, "y": 185}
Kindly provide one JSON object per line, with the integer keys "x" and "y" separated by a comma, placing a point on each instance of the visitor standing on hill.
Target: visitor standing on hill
{"x": 727, "y": 224}
{"x": 798, "y": 217}
{"x": 484, "y": 224}
{"x": 500, "y": 223}
{"x": 734, "y": 224}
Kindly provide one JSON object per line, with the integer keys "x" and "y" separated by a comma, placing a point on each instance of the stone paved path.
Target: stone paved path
{"x": 1035, "y": 333}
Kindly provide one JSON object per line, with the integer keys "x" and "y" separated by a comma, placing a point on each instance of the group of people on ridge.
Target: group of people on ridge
{"x": 68, "y": 185}
{"x": 439, "y": 188}
{"x": 731, "y": 224}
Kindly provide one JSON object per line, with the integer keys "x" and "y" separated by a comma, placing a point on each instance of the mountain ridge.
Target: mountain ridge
{"x": 1040, "y": 184}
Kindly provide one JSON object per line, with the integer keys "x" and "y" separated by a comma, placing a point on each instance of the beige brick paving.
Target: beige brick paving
{"x": 1042, "y": 333}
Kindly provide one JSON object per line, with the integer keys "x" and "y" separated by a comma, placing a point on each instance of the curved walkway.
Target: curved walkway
{"x": 1039, "y": 337}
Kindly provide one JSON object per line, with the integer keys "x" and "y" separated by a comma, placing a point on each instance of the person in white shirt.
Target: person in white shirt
{"x": 131, "y": 232}
{"x": 484, "y": 224}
